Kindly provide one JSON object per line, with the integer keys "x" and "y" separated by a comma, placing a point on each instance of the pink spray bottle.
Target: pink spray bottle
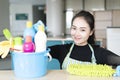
{"x": 28, "y": 45}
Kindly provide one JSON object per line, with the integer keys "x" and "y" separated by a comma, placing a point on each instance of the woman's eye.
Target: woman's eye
{"x": 82, "y": 30}
{"x": 73, "y": 28}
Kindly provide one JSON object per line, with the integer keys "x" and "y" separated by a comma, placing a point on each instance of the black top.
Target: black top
{"x": 84, "y": 53}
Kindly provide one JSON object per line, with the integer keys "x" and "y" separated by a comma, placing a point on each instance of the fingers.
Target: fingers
{"x": 6, "y": 51}
{"x": 1, "y": 50}
{"x": 1, "y": 53}
{"x": 4, "y": 48}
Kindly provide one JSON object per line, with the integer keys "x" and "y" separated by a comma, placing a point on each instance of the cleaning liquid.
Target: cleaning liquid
{"x": 29, "y": 31}
{"x": 18, "y": 44}
{"x": 40, "y": 39}
{"x": 28, "y": 45}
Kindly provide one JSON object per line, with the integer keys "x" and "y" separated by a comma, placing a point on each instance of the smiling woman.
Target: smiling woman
{"x": 80, "y": 31}
{"x": 83, "y": 49}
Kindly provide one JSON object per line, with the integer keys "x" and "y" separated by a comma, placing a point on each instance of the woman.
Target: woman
{"x": 83, "y": 50}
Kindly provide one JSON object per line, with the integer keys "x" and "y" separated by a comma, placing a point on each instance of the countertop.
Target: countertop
{"x": 52, "y": 75}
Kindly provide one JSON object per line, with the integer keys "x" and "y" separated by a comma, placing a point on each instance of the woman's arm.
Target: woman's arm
{"x": 104, "y": 56}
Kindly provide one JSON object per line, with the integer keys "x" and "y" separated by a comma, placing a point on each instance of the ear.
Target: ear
{"x": 91, "y": 32}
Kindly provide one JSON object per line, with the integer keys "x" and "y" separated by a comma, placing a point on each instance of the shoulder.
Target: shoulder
{"x": 102, "y": 51}
{"x": 98, "y": 48}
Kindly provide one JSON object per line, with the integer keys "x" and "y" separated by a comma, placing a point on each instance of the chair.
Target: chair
{"x": 54, "y": 64}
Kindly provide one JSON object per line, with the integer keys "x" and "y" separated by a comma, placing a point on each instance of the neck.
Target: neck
{"x": 78, "y": 44}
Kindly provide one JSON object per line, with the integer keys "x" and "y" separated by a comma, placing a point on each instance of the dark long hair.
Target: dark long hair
{"x": 90, "y": 20}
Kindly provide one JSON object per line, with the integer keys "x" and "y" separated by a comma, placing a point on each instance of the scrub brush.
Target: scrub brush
{"x": 91, "y": 70}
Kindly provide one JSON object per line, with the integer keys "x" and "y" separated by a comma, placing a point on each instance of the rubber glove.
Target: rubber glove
{"x": 5, "y": 48}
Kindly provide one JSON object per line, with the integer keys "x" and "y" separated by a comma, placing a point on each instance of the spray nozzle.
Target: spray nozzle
{"x": 38, "y": 25}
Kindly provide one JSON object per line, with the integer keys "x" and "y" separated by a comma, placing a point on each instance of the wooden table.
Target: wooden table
{"x": 52, "y": 75}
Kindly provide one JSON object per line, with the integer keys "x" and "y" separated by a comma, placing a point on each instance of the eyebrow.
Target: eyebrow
{"x": 76, "y": 26}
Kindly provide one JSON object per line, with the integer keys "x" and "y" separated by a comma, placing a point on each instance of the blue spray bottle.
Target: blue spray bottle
{"x": 29, "y": 31}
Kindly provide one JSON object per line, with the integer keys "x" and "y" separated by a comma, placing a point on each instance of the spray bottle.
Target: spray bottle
{"x": 40, "y": 39}
{"x": 29, "y": 31}
{"x": 28, "y": 45}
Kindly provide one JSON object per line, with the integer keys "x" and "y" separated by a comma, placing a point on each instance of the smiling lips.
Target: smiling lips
{"x": 77, "y": 38}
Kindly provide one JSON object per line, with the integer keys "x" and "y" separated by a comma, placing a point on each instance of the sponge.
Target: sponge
{"x": 91, "y": 70}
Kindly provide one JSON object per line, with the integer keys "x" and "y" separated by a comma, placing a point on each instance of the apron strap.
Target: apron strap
{"x": 65, "y": 62}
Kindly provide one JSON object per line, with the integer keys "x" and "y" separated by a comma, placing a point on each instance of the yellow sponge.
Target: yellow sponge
{"x": 91, "y": 70}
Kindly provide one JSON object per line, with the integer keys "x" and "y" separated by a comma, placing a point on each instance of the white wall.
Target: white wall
{"x": 17, "y": 6}
{"x": 113, "y": 38}
{"x": 17, "y": 26}
{"x": 4, "y": 16}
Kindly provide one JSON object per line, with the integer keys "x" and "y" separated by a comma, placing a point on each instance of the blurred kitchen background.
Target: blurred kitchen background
{"x": 57, "y": 15}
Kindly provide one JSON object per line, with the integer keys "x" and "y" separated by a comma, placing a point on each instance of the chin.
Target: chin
{"x": 77, "y": 43}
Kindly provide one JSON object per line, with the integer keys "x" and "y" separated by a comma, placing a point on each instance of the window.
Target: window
{"x": 69, "y": 16}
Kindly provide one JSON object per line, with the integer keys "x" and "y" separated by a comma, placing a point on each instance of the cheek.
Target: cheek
{"x": 86, "y": 36}
{"x": 72, "y": 32}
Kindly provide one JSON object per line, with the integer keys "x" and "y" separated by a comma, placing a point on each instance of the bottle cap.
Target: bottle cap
{"x": 41, "y": 28}
{"x": 28, "y": 39}
{"x": 17, "y": 41}
{"x": 29, "y": 24}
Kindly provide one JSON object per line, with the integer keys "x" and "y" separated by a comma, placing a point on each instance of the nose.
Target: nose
{"x": 77, "y": 32}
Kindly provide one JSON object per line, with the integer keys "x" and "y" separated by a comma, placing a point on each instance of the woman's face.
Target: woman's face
{"x": 80, "y": 31}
